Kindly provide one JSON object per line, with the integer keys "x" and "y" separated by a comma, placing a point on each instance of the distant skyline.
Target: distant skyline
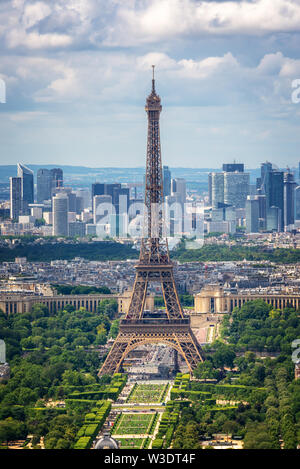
{"x": 77, "y": 74}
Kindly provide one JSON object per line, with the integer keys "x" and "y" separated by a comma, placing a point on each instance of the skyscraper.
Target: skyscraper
{"x": 217, "y": 190}
{"x": 98, "y": 189}
{"x": 265, "y": 169}
{"x": 178, "y": 189}
{"x": 233, "y": 167}
{"x": 27, "y": 187}
{"x": 274, "y": 219}
{"x": 236, "y": 188}
{"x": 210, "y": 189}
{"x": 60, "y": 206}
{"x": 15, "y": 197}
{"x": 102, "y": 206}
{"x": 289, "y": 199}
{"x": 252, "y": 214}
{"x": 166, "y": 181}
{"x": 44, "y": 185}
{"x": 57, "y": 177}
{"x": 275, "y": 194}
{"x": 297, "y": 203}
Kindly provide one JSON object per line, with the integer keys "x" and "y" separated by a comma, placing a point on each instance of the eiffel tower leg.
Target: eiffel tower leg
{"x": 138, "y": 298}
{"x": 170, "y": 295}
{"x": 176, "y": 366}
{"x": 114, "y": 359}
{"x": 189, "y": 348}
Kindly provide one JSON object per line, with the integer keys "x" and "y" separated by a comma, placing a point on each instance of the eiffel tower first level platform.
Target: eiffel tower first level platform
{"x": 175, "y": 333}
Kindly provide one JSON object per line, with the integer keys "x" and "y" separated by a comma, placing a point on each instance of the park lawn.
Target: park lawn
{"x": 134, "y": 424}
{"x": 144, "y": 393}
{"x": 132, "y": 443}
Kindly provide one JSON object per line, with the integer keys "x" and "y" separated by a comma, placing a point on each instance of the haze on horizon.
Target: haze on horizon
{"x": 77, "y": 74}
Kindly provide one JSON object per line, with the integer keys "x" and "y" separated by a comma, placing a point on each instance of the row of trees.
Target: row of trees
{"x": 48, "y": 354}
{"x": 111, "y": 250}
{"x": 264, "y": 422}
{"x": 255, "y": 326}
{"x": 80, "y": 290}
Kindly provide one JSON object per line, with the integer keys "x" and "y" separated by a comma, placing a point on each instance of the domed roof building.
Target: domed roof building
{"x": 106, "y": 442}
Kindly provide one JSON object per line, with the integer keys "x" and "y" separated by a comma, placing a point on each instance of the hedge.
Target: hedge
{"x": 93, "y": 423}
{"x": 157, "y": 443}
{"x": 83, "y": 443}
{"x": 230, "y": 390}
{"x": 98, "y": 391}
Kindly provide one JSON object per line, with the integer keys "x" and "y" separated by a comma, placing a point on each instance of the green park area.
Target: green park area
{"x": 148, "y": 393}
{"x": 55, "y": 395}
{"x": 134, "y": 424}
{"x": 133, "y": 443}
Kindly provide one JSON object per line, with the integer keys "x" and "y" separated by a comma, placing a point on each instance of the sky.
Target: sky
{"x": 77, "y": 74}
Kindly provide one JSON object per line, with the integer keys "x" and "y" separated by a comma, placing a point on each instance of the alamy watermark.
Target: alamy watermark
{"x": 296, "y": 352}
{"x": 2, "y": 351}
{"x": 296, "y": 92}
{"x": 173, "y": 221}
{"x": 2, "y": 91}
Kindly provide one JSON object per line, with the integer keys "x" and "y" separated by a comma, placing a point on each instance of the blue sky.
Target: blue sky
{"x": 77, "y": 74}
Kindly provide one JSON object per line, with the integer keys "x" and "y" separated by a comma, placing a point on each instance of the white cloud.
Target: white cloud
{"x": 123, "y": 23}
{"x": 159, "y": 59}
{"x": 162, "y": 19}
{"x": 97, "y": 77}
{"x": 33, "y": 13}
{"x": 207, "y": 67}
{"x": 27, "y": 116}
{"x": 19, "y": 38}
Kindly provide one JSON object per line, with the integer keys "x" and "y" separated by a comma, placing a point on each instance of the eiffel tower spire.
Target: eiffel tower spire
{"x": 171, "y": 326}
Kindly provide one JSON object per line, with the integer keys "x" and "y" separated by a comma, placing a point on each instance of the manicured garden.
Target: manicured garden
{"x": 146, "y": 393}
{"x": 133, "y": 443}
{"x": 134, "y": 424}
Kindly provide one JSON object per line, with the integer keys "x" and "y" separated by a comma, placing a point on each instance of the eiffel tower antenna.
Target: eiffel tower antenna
{"x": 153, "y": 79}
{"x": 170, "y": 327}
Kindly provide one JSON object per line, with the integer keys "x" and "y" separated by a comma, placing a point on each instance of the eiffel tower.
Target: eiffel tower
{"x": 170, "y": 327}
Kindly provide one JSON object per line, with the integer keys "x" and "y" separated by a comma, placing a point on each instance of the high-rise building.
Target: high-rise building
{"x": 102, "y": 206}
{"x": 233, "y": 167}
{"x": 265, "y": 169}
{"x": 72, "y": 203}
{"x": 274, "y": 219}
{"x": 98, "y": 189}
{"x": 77, "y": 228}
{"x": 262, "y": 201}
{"x": 60, "y": 204}
{"x": 178, "y": 189}
{"x": 210, "y": 189}
{"x": 15, "y": 197}
{"x": 27, "y": 187}
{"x": 44, "y": 185}
{"x": 236, "y": 188}
{"x": 166, "y": 181}
{"x": 85, "y": 195}
{"x": 297, "y": 203}
{"x": 57, "y": 177}
{"x": 217, "y": 190}
{"x": 252, "y": 214}
{"x": 289, "y": 199}
{"x": 120, "y": 199}
{"x": 275, "y": 193}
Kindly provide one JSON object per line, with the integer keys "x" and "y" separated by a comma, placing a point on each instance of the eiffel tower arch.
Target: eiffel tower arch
{"x": 170, "y": 327}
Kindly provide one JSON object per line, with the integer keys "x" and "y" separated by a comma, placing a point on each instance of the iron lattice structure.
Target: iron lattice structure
{"x": 173, "y": 327}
